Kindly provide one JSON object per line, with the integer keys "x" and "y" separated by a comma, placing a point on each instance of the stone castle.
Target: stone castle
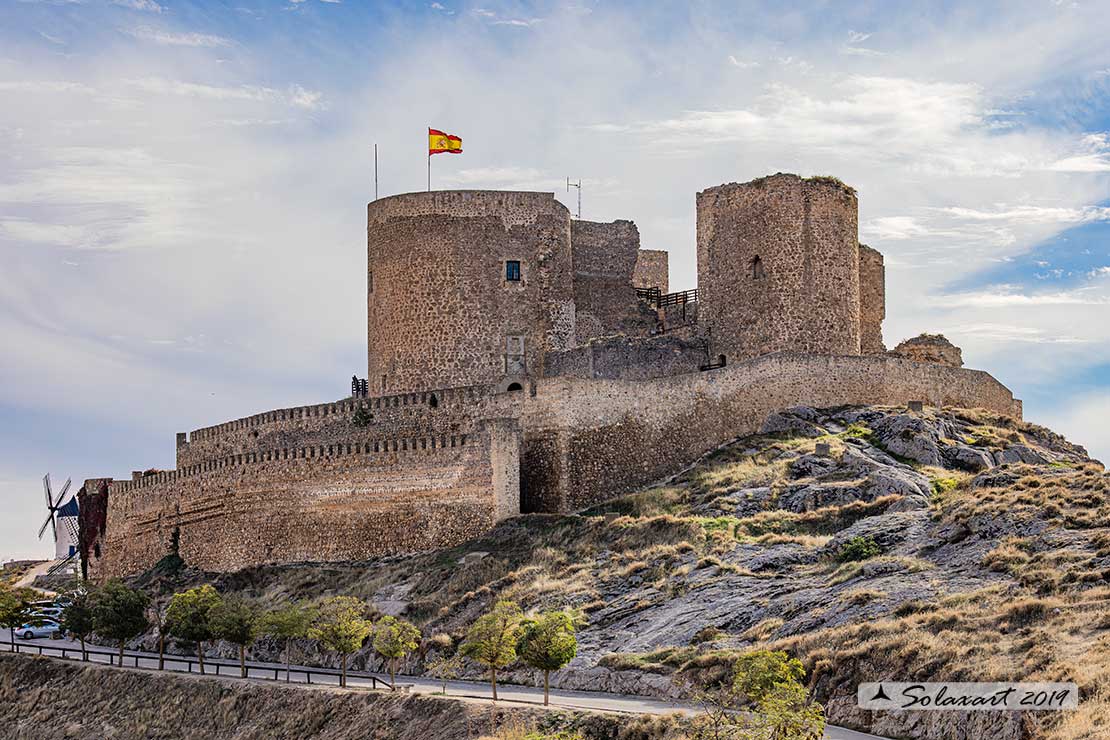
{"x": 523, "y": 361}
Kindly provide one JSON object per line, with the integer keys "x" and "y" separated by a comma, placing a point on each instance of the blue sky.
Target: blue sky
{"x": 183, "y": 184}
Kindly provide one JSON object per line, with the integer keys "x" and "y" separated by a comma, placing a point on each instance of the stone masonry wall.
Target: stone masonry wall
{"x": 428, "y": 413}
{"x": 872, "y": 300}
{"x": 441, "y": 312}
{"x": 605, "y": 257}
{"x": 327, "y": 502}
{"x": 778, "y": 266}
{"x": 652, "y": 270}
{"x": 595, "y": 439}
{"x": 629, "y": 358}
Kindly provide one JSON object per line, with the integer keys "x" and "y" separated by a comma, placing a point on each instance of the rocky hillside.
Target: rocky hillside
{"x": 873, "y": 543}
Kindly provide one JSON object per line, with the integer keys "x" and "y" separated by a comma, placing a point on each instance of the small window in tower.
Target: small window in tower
{"x": 370, "y": 280}
{"x": 758, "y": 273}
{"x": 512, "y": 270}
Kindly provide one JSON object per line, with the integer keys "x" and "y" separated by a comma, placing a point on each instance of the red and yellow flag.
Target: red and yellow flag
{"x": 441, "y": 143}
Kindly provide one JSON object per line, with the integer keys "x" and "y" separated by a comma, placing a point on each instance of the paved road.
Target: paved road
{"x": 561, "y": 698}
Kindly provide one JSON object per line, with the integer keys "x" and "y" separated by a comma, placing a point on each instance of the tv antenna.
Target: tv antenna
{"x": 579, "y": 186}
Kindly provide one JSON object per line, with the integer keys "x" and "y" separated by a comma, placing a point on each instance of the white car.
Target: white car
{"x": 41, "y": 628}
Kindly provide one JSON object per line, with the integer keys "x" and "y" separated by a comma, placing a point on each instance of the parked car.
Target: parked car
{"x": 49, "y": 612}
{"x": 40, "y": 628}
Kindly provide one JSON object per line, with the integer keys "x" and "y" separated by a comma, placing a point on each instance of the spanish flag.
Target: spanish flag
{"x": 441, "y": 143}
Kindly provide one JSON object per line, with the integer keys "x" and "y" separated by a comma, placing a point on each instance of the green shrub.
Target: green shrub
{"x": 858, "y": 548}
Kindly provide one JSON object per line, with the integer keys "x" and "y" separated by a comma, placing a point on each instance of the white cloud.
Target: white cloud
{"x": 441, "y": 8}
{"x": 742, "y": 64}
{"x": 295, "y": 95}
{"x": 170, "y": 38}
{"x": 996, "y": 299}
{"x": 147, "y": 5}
{"x": 1033, "y": 214}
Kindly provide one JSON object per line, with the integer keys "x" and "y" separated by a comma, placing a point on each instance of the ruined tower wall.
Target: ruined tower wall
{"x": 605, "y": 258}
{"x": 778, "y": 267}
{"x": 872, "y": 300}
{"x": 321, "y": 503}
{"x": 440, "y": 309}
{"x": 652, "y": 270}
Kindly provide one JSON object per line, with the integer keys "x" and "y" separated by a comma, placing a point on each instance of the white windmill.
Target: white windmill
{"x": 62, "y": 520}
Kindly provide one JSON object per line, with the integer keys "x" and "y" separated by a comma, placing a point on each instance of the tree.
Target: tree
{"x": 395, "y": 638}
{"x": 156, "y": 615}
{"x": 548, "y": 643}
{"x": 341, "y": 625}
{"x": 446, "y": 667}
{"x": 119, "y": 612}
{"x": 492, "y": 640}
{"x": 757, "y": 672}
{"x": 289, "y": 622}
{"x": 236, "y": 621}
{"x": 786, "y": 712}
{"x": 187, "y": 616}
{"x": 15, "y": 608}
{"x": 769, "y": 684}
{"x": 77, "y": 618}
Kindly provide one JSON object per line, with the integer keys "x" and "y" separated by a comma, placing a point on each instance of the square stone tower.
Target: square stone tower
{"x": 779, "y": 267}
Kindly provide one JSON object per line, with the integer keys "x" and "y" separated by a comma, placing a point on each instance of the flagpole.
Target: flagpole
{"x": 429, "y": 166}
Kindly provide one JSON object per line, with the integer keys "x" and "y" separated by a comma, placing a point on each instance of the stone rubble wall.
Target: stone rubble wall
{"x": 629, "y": 358}
{"x": 605, "y": 259}
{"x": 342, "y": 501}
{"x": 610, "y": 437}
{"x": 440, "y": 311}
{"x": 652, "y": 270}
{"x": 778, "y": 267}
{"x": 429, "y": 412}
{"x": 872, "y": 300}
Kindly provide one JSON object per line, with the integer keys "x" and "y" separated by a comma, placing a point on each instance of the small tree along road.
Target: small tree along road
{"x": 119, "y": 612}
{"x": 77, "y": 618}
{"x": 394, "y": 638}
{"x": 342, "y": 627}
{"x": 289, "y": 622}
{"x": 236, "y": 621}
{"x": 548, "y": 643}
{"x": 188, "y": 616}
{"x": 492, "y": 640}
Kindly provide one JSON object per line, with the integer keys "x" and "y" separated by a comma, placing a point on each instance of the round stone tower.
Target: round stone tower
{"x": 778, "y": 267}
{"x": 466, "y": 288}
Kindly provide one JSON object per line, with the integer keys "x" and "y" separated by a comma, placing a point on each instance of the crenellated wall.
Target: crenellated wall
{"x": 341, "y": 501}
{"x": 428, "y": 412}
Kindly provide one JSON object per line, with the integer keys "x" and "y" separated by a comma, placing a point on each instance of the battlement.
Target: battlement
{"x": 386, "y": 448}
{"x": 512, "y": 207}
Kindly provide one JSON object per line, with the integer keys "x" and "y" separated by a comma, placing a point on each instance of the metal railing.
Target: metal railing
{"x": 136, "y": 656}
